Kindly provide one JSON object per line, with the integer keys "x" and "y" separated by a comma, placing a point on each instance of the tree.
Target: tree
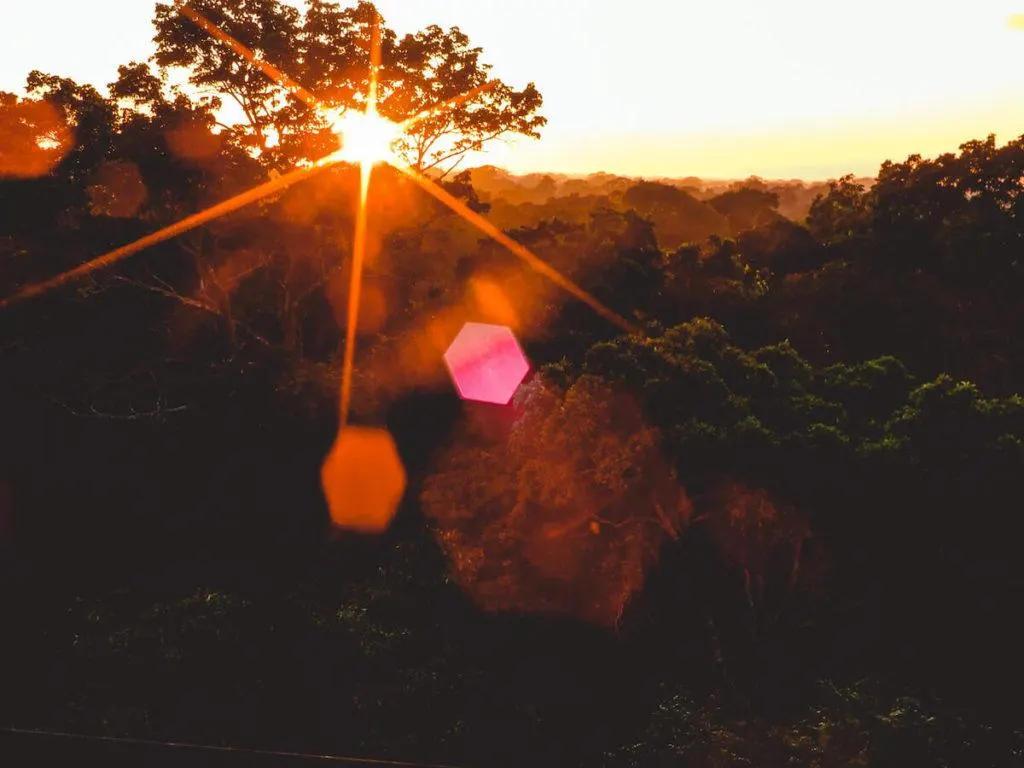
{"x": 435, "y": 66}
{"x": 33, "y": 137}
{"x": 86, "y": 112}
{"x": 677, "y": 215}
{"x": 956, "y": 214}
{"x": 747, "y": 207}
{"x": 568, "y": 514}
{"x": 782, "y": 246}
{"x": 326, "y": 50}
{"x": 546, "y": 188}
{"x": 763, "y": 538}
{"x": 268, "y": 28}
{"x": 842, "y": 213}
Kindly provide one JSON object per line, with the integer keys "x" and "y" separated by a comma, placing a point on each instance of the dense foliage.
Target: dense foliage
{"x": 778, "y": 529}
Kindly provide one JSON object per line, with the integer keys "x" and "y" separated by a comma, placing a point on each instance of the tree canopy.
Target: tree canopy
{"x": 324, "y": 52}
{"x": 775, "y": 527}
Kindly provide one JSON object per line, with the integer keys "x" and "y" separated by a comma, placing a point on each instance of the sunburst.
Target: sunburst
{"x": 366, "y": 138}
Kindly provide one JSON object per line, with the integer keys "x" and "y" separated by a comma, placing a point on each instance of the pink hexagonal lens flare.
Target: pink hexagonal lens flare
{"x": 486, "y": 363}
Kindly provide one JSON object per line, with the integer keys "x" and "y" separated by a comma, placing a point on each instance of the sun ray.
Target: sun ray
{"x": 305, "y": 94}
{"x": 365, "y": 136}
{"x": 354, "y": 297}
{"x": 244, "y": 198}
{"x": 173, "y": 230}
{"x": 366, "y": 162}
{"x": 435, "y": 111}
{"x": 267, "y": 68}
{"x": 359, "y": 238}
{"x": 518, "y": 249}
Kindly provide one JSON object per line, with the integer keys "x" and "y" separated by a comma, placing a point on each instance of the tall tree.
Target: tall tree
{"x": 326, "y": 49}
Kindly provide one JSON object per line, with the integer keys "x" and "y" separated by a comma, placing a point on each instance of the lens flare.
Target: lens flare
{"x": 486, "y": 363}
{"x": 366, "y": 137}
{"x": 493, "y": 302}
{"x": 363, "y": 479}
{"x": 34, "y": 137}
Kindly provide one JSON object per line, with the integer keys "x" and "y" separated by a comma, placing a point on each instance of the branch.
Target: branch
{"x": 452, "y": 167}
{"x": 666, "y": 523}
{"x": 156, "y": 413}
{"x": 424, "y": 144}
{"x": 189, "y": 302}
{"x": 249, "y": 116}
{"x": 610, "y": 524}
{"x": 475, "y": 146}
{"x": 168, "y": 293}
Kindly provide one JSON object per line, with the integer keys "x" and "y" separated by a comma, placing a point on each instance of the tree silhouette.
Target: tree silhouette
{"x": 747, "y": 208}
{"x": 326, "y": 48}
{"x": 677, "y": 215}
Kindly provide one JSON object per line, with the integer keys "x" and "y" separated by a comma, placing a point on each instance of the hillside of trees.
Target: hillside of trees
{"x": 776, "y": 528}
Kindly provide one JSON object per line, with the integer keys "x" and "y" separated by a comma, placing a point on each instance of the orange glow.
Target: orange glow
{"x": 492, "y": 302}
{"x": 565, "y": 513}
{"x": 33, "y": 138}
{"x": 363, "y": 479}
{"x": 518, "y": 249}
{"x": 266, "y": 67}
{"x": 191, "y": 222}
{"x": 355, "y": 288}
{"x": 193, "y": 142}
{"x": 440, "y": 109}
{"x": 366, "y": 137}
{"x": 362, "y": 476}
{"x": 413, "y": 358}
{"x": 373, "y": 304}
{"x": 417, "y": 360}
{"x": 370, "y": 136}
{"x": 371, "y": 131}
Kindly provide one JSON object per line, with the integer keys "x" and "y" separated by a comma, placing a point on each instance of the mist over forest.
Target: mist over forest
{"x": 755, "y": 503}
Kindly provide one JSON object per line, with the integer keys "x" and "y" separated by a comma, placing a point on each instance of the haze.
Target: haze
{"x": 739, "y": 87}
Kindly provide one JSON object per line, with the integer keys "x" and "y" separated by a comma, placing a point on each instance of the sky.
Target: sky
{"x": 716, "y": 89}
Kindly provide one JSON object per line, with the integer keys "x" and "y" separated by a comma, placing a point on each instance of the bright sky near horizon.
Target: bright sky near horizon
{"x": 711, "y": 88}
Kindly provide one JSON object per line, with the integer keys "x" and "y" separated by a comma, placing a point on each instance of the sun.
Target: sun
{"x": 366, "y": 137}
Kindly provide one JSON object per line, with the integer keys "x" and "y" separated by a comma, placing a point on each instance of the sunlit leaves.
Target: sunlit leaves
{"x": 137, "y": 84}
{"x": 91, "y": 118}
{"x": 34, "y": 136}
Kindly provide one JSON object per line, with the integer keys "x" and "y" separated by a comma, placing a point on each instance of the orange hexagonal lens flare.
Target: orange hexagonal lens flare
{"x": 363, "y": 479}
{"x": 486, "y": 363}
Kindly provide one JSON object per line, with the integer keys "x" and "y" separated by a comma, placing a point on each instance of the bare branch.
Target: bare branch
{"x": 452, "y": 167}
{"x": 158, "y": 412}
{"x": 475, "y": 145}
{"x": 195, "y": 304}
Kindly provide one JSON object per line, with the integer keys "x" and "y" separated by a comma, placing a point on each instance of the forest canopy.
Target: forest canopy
{"x": 774, "y": 525}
